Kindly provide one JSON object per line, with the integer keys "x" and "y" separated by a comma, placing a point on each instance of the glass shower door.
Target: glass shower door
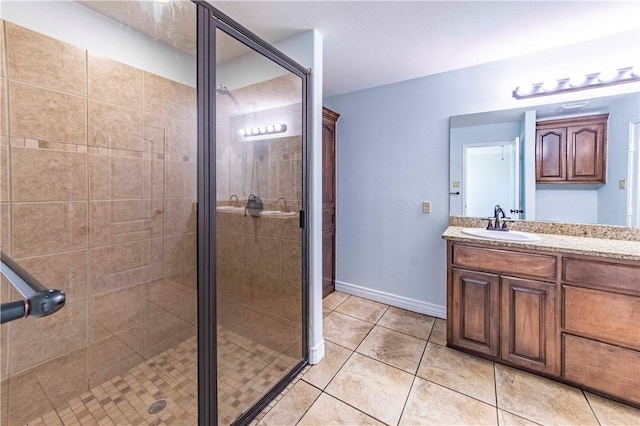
{"x": 259, "y": 196}
{"x": 98, "y": 150}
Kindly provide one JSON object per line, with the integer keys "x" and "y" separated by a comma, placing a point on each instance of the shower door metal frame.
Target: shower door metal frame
{"x": 209, "y": 19}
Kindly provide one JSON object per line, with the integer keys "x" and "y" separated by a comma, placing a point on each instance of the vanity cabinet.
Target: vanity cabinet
{"x": 574, "y": 318}
{"x": 500, "y": 308}
{"x": 572, "y": 150}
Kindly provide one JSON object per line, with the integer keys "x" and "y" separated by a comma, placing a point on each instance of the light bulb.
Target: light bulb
{"x": 577, "y": 80}
{"x": 278, "y": 127}
{"x": 525, "y": 89}
{"x": 256, "y": 131}
{"x": 549, "y": 85}
{"x": 607, "y": 75}
{"x": 242, "y": 132}
{"x": 635, "y": 71}
{"x": 263, "y": 130}
{"x": 272, "y": 128}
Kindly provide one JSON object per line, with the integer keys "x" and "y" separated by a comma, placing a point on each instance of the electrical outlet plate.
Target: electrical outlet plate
{"x": 455, "y": 184}
{"x": 622, "y": 184}
{"x": 426, "y": 207}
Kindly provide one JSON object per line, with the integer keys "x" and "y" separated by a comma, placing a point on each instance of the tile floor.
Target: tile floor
{"x": 384, "y": 365}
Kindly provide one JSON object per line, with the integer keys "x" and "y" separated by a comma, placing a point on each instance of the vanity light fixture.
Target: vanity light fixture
{"x": 577, "y": 80}
{"x": 607, "y": 77}
{"x": 549, "y": 85}
{"x": 263, "y": 130}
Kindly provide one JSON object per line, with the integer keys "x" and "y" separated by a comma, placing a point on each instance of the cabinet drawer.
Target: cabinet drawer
{"x": 608, "y": 368}
{"x": 605, "y": 275}
{"x": 505, "y": 262}
{"x": 604, "y": 316}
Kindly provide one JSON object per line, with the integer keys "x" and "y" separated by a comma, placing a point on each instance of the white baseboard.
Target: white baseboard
{"x": 394, "y": 300}
{"x": 316, "y": 353}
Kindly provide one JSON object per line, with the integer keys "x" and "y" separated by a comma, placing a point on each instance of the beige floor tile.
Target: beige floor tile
{"x": 321, "y": 374}
{"x": 610, "y": 412}
{"x": 432, "y": 404}
{"x": 327, "y": 410}
{"x": 439, "y": 332}
{"x": 363, "y": 309}
{"x": 507, "y": 419}
{"x": 333, "y": 300}
{"x": 461, "y": 372}
{"x": 394, "y": 348}
{"x": 326, "y": 312}
{"x": 372, "y": 387}
{"x": 541, "y": 400}
{"x": 412, "y": 323}
{"x": 345, "y": 330}
{"x": 290, "y": 409}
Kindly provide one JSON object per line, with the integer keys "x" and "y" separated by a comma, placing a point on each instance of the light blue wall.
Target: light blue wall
{"x": 393, "y": 153}
{"x": 612, "y": 201}
{"x": 567, "y": 204}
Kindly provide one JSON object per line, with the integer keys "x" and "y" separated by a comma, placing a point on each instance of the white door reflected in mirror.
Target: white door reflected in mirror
{"x": 490, "y": 176}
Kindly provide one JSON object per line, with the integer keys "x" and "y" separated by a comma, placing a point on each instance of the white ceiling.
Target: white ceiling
{"x": 371, "y": 43}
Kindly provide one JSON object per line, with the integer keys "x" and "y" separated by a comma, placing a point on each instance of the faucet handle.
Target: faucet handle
{"x": 505, "y": 221}
{"x": 490, "y": 224}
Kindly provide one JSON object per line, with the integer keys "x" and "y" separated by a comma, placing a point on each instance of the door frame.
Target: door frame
{"x": 210, "y": 19}
{"x": 633, "y": 175}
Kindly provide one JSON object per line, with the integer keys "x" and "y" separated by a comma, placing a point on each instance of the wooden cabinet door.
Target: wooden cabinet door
{"x": 585, "y": 153}
{"x": 475, "y": 322}
{"x": 551, "y": 145}
{"x": 529, "y": 335}
{"x": 329, "y": 119}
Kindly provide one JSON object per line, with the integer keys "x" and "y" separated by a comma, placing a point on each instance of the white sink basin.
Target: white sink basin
{"x": 277, "y": 213}
{"x": 520, "y": 237}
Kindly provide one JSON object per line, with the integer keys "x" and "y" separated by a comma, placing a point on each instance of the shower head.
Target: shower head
{"x": 221, "y": 89}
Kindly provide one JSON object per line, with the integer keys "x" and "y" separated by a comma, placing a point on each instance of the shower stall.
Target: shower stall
{"x": 153, "y": 173}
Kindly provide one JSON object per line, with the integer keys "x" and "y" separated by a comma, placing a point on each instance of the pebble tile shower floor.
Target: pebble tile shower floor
{"x": 247, "y": 370}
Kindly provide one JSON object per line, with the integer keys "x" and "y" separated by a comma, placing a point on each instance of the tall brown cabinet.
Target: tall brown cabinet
{"x": 329, "y": 119}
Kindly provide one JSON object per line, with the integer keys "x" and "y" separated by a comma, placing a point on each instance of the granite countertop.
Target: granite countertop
{"x": 614, "y": 249}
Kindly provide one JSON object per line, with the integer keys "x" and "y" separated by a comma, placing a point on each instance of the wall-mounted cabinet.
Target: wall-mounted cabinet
{"x": 572, "y": 150}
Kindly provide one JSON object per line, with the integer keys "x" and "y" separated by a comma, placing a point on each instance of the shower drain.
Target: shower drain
{"x": 157, "y": 406}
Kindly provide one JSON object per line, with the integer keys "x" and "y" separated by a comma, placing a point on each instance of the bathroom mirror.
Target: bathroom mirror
{"x": 492, "y": 161}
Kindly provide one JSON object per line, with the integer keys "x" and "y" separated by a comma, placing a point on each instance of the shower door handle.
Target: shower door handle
{"x": 38, "y": 301}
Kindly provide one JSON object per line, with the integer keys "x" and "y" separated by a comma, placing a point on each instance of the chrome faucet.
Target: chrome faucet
{"x": 284, "y": 209}
{"x": 498, "y": 213}
{"x": 236, "y": 202}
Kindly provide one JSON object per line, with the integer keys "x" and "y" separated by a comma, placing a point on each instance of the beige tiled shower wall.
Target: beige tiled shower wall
{"x": 97, "y": 198}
